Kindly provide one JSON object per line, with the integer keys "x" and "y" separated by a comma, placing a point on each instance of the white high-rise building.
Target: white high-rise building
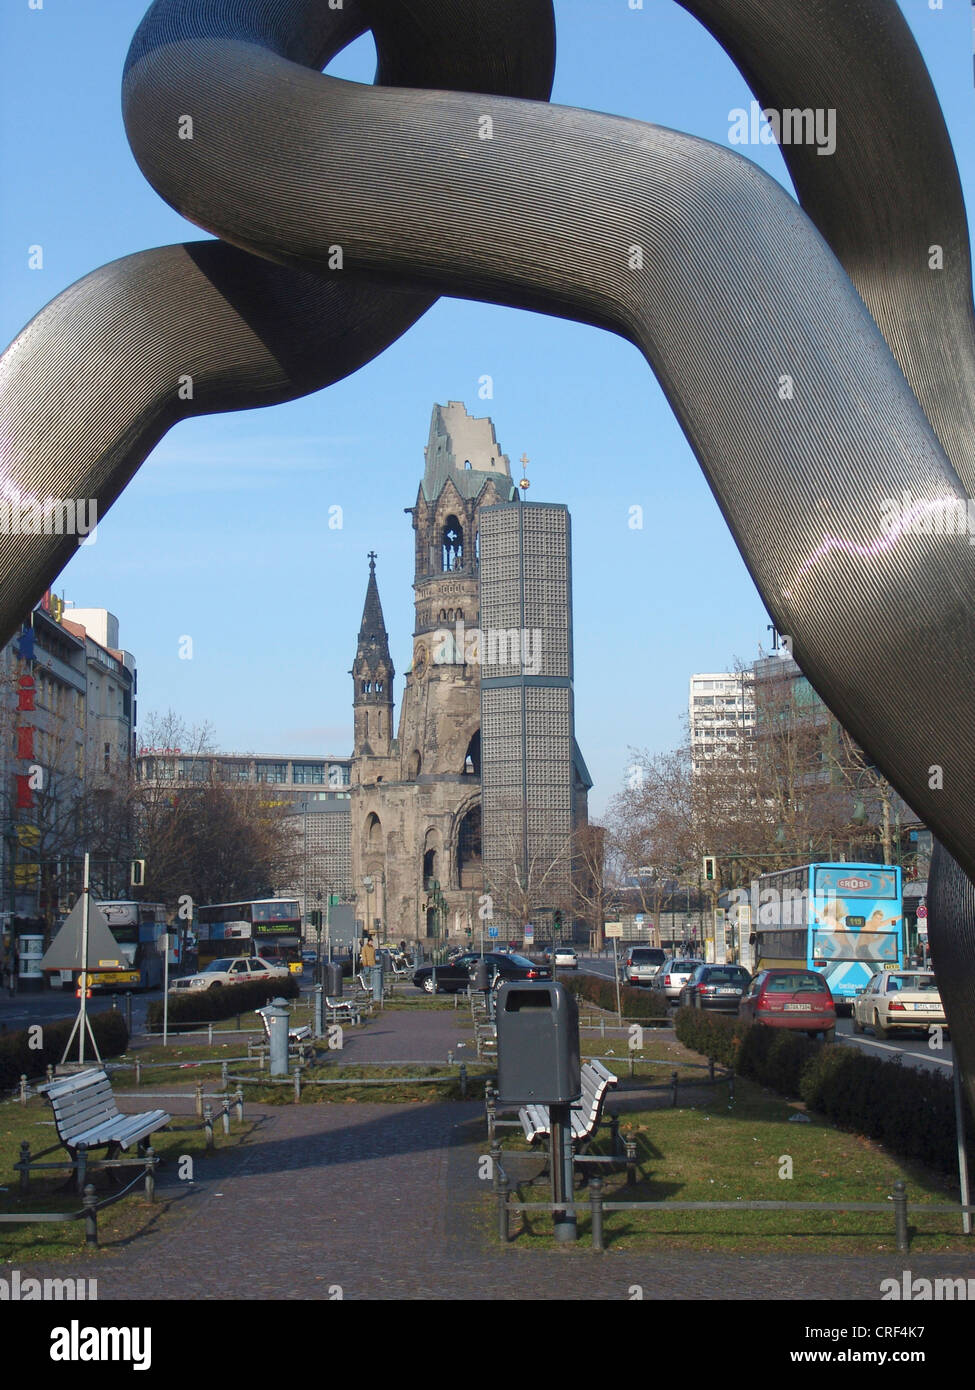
{"x": 721, "y": 707}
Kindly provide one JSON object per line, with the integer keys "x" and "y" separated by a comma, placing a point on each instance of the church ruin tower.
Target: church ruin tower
{"x": 372, "y": 675}
{"x": 417, "y": 864}
{"x": 439, "y": 732}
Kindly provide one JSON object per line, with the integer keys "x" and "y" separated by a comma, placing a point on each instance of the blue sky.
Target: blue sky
{"x": 223, "y": 535}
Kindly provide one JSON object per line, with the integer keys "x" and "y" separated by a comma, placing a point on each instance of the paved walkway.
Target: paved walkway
{"x": 381, "y": 1201}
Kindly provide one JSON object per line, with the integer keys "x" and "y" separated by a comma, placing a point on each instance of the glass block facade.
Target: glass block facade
{"x": 527, "y": 731}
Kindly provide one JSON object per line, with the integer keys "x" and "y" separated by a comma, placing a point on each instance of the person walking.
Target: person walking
{"x": 367, "y": 957}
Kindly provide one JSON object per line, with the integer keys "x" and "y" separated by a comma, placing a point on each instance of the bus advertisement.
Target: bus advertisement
{"x": 267, "y": 927}
{"x": 845, "y": 920}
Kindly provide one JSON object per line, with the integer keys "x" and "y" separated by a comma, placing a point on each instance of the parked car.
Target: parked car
{"x": 789, "y": 998}
{"x": 641, "y": 964}
{"x": 718, "y": 987}
{"x": 899, "y": 1001}
{"x": 456, "y": 974}
{"x": 232, "y": 970}
{"x": 564, "y": 955}
{"x": 674, "y": 974}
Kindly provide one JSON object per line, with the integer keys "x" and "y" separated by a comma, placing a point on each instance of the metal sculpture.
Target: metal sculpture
{"x": 344, "y": 210}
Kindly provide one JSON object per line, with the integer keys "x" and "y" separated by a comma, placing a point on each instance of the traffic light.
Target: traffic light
{"x": 557, "y": 916}
{"x": 710, "y": 867}
{"x": 316, "y": 918}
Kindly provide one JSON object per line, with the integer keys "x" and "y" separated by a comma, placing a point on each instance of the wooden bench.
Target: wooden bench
{"x": 87, "y": 1117}
{"x": 296, "y": 1036}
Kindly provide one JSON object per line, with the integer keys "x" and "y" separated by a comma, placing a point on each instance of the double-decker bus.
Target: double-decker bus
{"x": 268, "y": 927}
{"x": 845, "y": 920}
{"x": 137, "y": 927}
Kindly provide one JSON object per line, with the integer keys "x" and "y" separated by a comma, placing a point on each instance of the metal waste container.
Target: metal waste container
{"x": 333, "y": 980}
{"x": 538, "y": 1044}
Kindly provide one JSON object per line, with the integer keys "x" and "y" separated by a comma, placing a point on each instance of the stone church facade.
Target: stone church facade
{"x": 415, "y": 803}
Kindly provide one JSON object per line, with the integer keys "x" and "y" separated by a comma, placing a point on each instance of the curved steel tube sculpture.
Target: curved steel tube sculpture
{"x": 685, "y": 248}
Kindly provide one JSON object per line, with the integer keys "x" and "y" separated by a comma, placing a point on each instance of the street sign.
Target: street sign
{"x": 638, "y": 919}
{"x": 492, "y": 932}
{"x": 614, "y": 929}
{"x": 922, "y": 911}
{"x": 529, "y": 934}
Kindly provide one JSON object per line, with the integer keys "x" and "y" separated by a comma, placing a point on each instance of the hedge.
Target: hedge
{"x": 635, "y": 1003}
{"x": 18, "y": 1058}
{"x": 909, "y": 1111}
{"x": 191, "y": 1006}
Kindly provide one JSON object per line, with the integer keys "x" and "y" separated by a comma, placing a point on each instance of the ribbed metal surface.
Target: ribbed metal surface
{"x": 737, "y": 289}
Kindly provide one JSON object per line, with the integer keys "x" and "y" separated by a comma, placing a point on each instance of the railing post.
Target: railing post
{"x": 138, "y": 1072}
{"x": 90, "y": 1204}
{"x": 503, "y": 1209}
{"x": 240, "y": 1104}
{"x": 225, "y": 1115}
{"x": 900, "y": 1217}
{"x": 630, "y": 1162}
{"x": 209, "y": 1034}
{"x": 50, "y": 1071}
{"x": 82, "y": 1152}
{"x": 151, "y": 1173}
{"x": 602, "y": 1026}
{"x": 596, "y": 1211}
{"x": 199, "y": 1100}
{"x": 223, "y": 1075}
{"x": 23, "y": 1088}
{"x": 297, "y": 1084}
{"x": 208, "y": 1124}
{"x": 25, "y": 1161}
{"x": 463, "y": 1081}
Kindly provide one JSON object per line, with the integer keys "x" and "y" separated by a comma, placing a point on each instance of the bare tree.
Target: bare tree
{"x": 529, "y": 874}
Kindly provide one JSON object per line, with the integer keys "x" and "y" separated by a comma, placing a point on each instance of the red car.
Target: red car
{"x": 798, "y": 999}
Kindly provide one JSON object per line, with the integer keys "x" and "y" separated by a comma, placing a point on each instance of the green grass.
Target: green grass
{"x": 118, "y": 1224}
{"x": 710, "y": 1150}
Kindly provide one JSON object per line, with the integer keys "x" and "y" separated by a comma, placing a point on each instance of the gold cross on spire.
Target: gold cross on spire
{"x": 524, "y": 484}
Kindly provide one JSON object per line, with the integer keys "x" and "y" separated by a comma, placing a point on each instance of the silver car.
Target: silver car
{"x": 674, "y": 974}
{"x": 641, "y": 965}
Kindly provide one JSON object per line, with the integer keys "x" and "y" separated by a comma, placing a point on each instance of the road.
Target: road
{"x": 47, "y": 1006}
{"x": 913, "y": 1051}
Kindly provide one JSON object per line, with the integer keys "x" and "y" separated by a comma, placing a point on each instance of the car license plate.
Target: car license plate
{"x": 798, "y": 1008}
{"x": 727, "y": 991}
{"x": 934, "y": 1008}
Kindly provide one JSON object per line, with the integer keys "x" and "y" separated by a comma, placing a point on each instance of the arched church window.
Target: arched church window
{"x": 472, "y": 760}
{"x": 469, "y": 867}
{"x": 452, "y": 545}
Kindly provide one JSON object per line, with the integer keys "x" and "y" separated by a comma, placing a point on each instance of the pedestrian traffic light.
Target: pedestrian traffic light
{"x": 710, "y": 867}
{"x": 316, "y": 917}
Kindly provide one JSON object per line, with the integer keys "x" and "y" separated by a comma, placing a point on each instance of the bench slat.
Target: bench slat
{"x": 132, "y": 1129}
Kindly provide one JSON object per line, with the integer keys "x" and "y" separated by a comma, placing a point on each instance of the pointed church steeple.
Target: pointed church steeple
{"x": 372, "y": 676}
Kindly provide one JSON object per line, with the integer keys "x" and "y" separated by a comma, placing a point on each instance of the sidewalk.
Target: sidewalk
{"x": 380, "y": 1201}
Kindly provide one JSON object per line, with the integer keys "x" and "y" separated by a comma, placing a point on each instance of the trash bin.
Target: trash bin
{"x": 538, "y": 1044}
{"x": 482, "y": 975}
{"x": 333, "y": 980}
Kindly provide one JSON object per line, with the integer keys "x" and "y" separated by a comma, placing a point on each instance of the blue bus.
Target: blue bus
{"x": 845, "y": 920}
